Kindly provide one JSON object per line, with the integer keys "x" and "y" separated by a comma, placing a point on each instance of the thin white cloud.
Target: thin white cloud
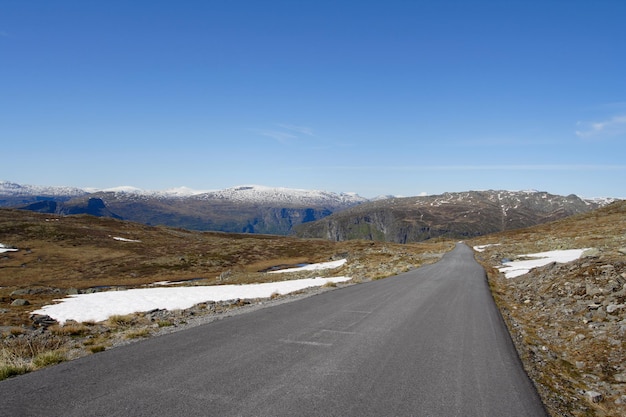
{"x": 564, "y": 167}
{"x": 297, "y": 129}
{"x": 285, "y": 132}
{"x": 614, "y": 126}
{"x": 280, "y": 136}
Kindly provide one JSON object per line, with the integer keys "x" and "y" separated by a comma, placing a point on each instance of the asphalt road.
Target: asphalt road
{"x": 425, "y": 343}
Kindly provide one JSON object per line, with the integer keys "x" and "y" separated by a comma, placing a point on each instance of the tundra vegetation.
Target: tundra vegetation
{"x": 58, "y": 256}
{"x": 568, "y": 321}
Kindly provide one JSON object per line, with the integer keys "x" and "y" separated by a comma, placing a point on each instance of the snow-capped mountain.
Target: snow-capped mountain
{"x": 130, "y": 190}
{"x": 260, "y": 194}
{"x": 277, "y": 210}
{"x": 254, "y": 194}
{"x": 11, "y": 189}
{"x": 249, "y": 209}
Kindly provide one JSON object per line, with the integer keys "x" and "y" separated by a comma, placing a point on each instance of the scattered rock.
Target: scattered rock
{"x": 594, "y": 396}
{"x": 620, "y": 377}
{"x": 23, "y": 291}
{"x": 20, "y": 302}
{"x": 591, "y": 253}
{"x": 42, "y": 320}
{"x": 612, "y": 308}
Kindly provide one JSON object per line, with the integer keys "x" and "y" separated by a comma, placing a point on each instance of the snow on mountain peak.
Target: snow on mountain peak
{"x": 264, "y": 194}
{"x": 241, "y": 193}
{"x": 14, "y": 189}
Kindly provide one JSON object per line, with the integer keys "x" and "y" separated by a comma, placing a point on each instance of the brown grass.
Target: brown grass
{"x": 79, "y": 252}
{"x": 61, "y": 255}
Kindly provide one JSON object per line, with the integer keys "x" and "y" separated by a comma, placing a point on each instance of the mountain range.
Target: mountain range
{"x": 306, "y": 213}
{"x": 243, "y": 209}
{"x": 451, "y": 215}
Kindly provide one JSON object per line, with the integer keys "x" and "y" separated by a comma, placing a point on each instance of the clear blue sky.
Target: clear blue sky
{"x": 373, "y": 97}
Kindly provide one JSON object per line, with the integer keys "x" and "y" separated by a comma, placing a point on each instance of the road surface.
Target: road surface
{"x": 429, "y": 342}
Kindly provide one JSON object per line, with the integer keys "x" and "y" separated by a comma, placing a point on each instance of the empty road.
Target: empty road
{"x": 429, "y": 342}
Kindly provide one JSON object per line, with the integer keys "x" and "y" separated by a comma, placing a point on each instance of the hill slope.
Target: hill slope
{"x": 452, "y": 215}
{"x": 569, "y": 320}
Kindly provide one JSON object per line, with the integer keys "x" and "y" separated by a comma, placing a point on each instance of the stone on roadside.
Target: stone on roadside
{"x": 594, "y": 396}
{"x": 42, "y": 320}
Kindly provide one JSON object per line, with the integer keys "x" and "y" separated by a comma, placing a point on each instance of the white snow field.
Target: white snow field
{"x": 514, "y": 269}
{"x": 102, "y": 305}
{"x": 313, "y": 267}
{"x": 123, "y": 239}
{"x": 4, "y": 249}
{"x": 481, "y": 248}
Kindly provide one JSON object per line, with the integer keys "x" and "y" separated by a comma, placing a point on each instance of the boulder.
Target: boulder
{"x": 42, "y": 320}
{"x": 20, "y": 302}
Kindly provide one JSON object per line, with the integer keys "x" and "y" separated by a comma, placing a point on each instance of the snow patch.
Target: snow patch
{"x": 123, "y": 239}
{"x": 514, "y": 269}
{"x": 4, "y": 248}
{"x": 100, "y": 306}
{"x": 313, "y": 267}
{"x": 481, "y": 248}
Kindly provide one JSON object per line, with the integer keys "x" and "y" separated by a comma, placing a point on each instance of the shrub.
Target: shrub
{"x": 73, "y": 329}
{"x": 136, "y": 334}
{"x": 96, "y": 349}
{"x": 120, "y": 321}
{"x": 11, "y": 364}
{"x": 49, "y": 358}
{"x": 7, "y": 371}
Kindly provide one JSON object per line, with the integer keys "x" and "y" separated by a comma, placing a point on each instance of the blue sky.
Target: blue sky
{"x": 373, "y": 97}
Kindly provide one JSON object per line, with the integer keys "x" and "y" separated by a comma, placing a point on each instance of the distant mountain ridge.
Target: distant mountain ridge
{"x": 307, "y": 213}
{"x": 243, "y": 209}
{"x": 451, "y": 215}
{"x": 242, "y": 194}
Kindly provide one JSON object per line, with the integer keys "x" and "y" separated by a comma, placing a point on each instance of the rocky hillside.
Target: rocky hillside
{"x": 452, "y": 215}
{"x": 246, "y": 209}
{"x": 569, "y": 320}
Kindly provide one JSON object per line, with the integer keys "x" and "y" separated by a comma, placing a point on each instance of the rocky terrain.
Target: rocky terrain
{"x": 451, "y": 215}
{"x": 569, "y": 320}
